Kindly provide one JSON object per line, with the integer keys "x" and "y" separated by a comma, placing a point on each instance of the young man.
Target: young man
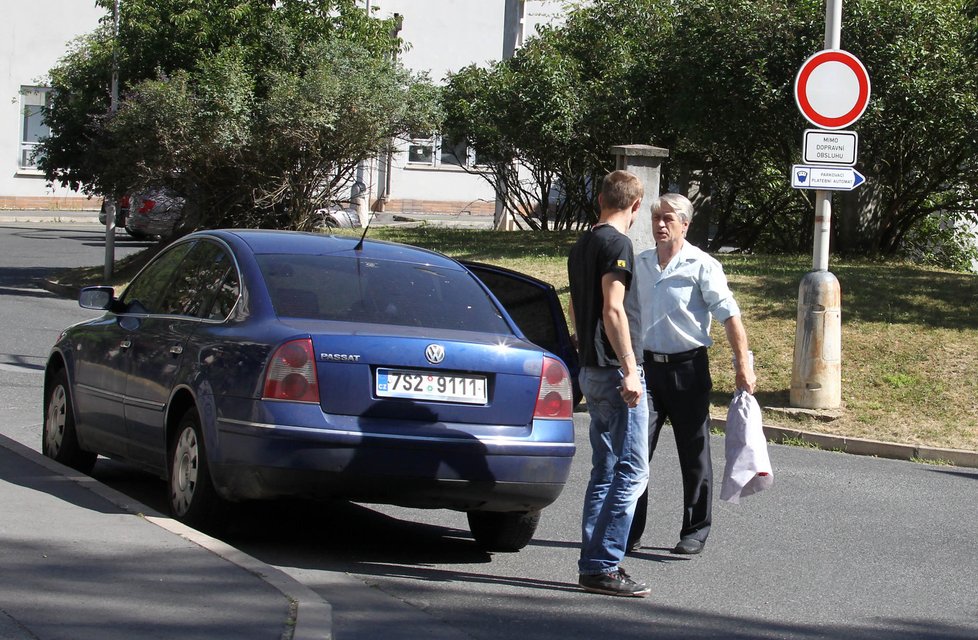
{"x": 682, "y": 289}
{"x": 605, "y": 313}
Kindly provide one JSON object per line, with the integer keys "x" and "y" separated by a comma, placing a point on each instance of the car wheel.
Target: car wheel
{"x": 495, "y": 531}
{"x": 193, "y": 499}
{"x": 59, "y": 440}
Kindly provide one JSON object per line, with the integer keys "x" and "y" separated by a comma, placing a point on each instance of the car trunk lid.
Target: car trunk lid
{"x": 458, "y": 377}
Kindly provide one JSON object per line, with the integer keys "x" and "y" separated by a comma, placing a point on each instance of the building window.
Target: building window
{"x": 450, "y": 153}
{"x": 34, "y": 101}
{"x": 440, "y": 151}
{"x": 422, "y": 152}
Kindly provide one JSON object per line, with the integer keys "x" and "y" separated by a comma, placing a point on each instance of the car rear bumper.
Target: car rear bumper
{"x": 452, "y": 470}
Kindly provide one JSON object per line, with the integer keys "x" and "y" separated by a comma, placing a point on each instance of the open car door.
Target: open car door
{"x": 534, "y": 306}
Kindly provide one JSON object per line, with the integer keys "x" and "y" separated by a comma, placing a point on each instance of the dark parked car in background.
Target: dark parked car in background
{"x": 154, "y": 213}
{"x": 243, "y": 365}
{"x": 121, "y": 211}
{"x": 143, "y": 215}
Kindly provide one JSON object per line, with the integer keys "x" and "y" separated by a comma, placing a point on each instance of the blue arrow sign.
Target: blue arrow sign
{"x": 825, "y": 177}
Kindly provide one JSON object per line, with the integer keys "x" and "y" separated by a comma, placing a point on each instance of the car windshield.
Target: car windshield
{"x": 379, "y": 292}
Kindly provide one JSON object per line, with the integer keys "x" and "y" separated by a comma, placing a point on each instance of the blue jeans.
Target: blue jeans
{"x": 619, "y": 468}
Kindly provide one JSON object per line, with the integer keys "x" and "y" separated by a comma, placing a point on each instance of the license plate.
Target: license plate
{"x": 431, "y": 385}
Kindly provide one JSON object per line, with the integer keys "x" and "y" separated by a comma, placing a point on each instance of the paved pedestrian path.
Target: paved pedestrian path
{"x": 79, "y": 561}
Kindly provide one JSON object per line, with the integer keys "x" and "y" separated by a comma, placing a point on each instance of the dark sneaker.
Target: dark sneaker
{"x": 614, "y": 583}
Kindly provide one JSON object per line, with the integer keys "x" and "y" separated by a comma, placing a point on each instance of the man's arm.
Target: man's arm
{"x": 616, "y": 327}
{"x": 737, "y": 337}
{"x": 573, "y": 322}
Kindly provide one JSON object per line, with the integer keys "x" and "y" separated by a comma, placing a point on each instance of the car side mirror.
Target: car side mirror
{"x": 99, "y": 298}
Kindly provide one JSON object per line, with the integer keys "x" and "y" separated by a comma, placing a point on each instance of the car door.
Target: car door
{"x": 534, "y": 306}
{"x": 99, "y": 385}
{"x": 104, "y": 357}
{"x": 159, "y": 352}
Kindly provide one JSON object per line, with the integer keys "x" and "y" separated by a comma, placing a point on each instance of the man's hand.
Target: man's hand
{"x": 746, "y": 379}
{"x": 632, "y": 389}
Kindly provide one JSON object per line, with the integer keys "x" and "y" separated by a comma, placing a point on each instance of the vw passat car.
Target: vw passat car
{"x": 242, "y": 365}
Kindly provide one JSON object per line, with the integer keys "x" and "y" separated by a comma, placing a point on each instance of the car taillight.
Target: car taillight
{"x": 147, "y": 205}
{"x": 555, "y": 397}
{"x": 292, "y": 373}
{"x": 124, "y": 202}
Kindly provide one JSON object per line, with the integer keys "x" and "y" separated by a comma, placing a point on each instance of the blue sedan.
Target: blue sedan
{"x": 242, "y": 365}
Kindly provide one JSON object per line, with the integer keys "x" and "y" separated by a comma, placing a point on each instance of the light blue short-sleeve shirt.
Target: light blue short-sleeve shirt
{"x": 679, "y": 301}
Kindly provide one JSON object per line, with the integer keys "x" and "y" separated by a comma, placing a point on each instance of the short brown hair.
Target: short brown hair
{"x": 620, "y": 189}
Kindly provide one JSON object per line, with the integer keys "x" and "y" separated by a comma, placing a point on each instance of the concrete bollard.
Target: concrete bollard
{"x": 816, "y": 377}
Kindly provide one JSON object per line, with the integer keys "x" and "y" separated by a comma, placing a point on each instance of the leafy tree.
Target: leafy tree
{"x": 712, "y": 80}
{"x": 734, "y": 124}
{"x": 543, "y": 122}
{"x": 730, "y": 124}
{"x": 522, "y": 130}
{"x": 970, "y": 11}
{"x": 256, "y": 111}
{"x": 918, "y": 139}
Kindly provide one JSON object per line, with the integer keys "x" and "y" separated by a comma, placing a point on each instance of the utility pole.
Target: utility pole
{"x": 111, "y": 205}
{"x": 512, "y": 40}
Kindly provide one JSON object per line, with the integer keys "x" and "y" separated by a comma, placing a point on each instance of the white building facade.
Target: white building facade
{"x": 35, "y": 35}
{"x": 424, "y": 175}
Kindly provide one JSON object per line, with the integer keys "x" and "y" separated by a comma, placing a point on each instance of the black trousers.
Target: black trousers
{"x": 680, "y": 392}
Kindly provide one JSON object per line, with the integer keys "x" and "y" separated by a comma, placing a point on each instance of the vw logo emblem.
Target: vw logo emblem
{"x": 435, "y": 353}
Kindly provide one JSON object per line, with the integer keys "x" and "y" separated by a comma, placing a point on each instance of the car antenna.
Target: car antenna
{"x": 359, "y": 246}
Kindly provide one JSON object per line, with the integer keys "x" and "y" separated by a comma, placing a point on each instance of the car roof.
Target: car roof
{"x": 261, "y": 241}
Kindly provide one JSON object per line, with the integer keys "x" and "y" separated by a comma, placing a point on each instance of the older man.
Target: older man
{"x": 681, "y": 289}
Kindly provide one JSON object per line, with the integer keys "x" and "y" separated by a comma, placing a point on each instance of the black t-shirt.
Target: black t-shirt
{"x": 601, "y": 250}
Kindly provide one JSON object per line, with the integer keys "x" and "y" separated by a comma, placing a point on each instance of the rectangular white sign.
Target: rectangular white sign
{"x": 826, "y": 178}
{"x": 830, "y": 147}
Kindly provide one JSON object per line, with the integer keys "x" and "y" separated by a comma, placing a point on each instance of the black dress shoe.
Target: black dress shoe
{"x": 689, "y": 547}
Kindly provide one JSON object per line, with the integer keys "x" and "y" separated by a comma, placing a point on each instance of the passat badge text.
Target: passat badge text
{"x": 340, "y": 357}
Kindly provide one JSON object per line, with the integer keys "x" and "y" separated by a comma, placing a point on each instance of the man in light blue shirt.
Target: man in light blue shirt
{"x": 681, "y": 289}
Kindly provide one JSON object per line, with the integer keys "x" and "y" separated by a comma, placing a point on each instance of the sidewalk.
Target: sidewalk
{"x": 461, "y": 221}
{"x": 82, "y": 561}
{"x": 43, "y": 215}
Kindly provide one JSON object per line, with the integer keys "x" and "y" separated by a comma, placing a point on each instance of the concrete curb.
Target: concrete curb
{"x": 316, "y": 621}
{"x": 312, "y": 617}
{"x": 862, "y": 447}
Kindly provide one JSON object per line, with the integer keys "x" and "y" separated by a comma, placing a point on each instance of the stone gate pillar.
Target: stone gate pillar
{"x": 645, "y": 161}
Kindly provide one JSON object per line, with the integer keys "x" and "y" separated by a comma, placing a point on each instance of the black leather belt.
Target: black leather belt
{"x": 671, "y": 358}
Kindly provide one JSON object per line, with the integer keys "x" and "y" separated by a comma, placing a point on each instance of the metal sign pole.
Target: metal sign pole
{"x": 816, "y": 378}
{"x": 823, "y": 199}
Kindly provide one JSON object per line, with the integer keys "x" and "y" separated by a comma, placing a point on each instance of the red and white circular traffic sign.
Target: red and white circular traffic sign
{"x": 832, "y": 89}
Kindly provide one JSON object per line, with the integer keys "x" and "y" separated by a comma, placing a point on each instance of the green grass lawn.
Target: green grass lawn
{"x": 909, "y": 333}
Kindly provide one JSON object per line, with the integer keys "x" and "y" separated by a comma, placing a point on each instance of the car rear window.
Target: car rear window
{"x": 378, "y": 292}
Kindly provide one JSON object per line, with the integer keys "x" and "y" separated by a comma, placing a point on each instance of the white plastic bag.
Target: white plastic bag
{"x": 748, "y": 467}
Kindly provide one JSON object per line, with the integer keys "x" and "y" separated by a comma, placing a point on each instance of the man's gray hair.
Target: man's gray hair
{"x": 677, "y": 202}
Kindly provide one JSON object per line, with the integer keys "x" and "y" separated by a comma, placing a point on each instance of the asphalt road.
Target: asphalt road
{"x": 840, "y": 547}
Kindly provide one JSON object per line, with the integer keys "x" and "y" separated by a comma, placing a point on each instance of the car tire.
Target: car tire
{"x": 136, "y": 235}
{"x": 59, "y": 440}
{"x": 496, "y": 531}
{"x": 192, "y": 497}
